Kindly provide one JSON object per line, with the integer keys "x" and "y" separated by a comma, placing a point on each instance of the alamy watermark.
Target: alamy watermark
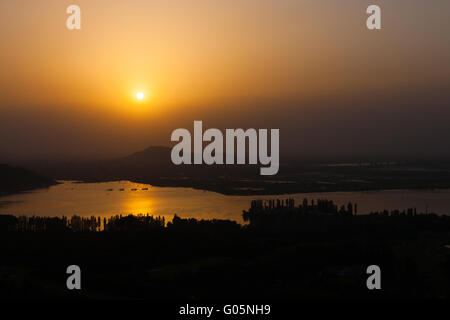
{"x": 374, "y": 280}
{"x": 74, "y": 280}
{"x": 213, "y": 153}
{"x": 73, "y": 22}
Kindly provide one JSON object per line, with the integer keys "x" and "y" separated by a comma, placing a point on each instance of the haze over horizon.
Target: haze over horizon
{"x": 310, "y": 68}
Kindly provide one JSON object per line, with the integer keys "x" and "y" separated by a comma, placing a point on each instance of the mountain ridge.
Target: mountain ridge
{"x": 17, "y": 179}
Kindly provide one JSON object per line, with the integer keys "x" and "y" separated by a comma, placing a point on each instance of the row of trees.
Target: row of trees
{"x": 272, "y": 214}
{"x": 81, "y": 224}
{"x": 261, "y": 209}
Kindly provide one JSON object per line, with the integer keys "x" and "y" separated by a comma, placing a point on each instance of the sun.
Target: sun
{"x": 140, "y": 96}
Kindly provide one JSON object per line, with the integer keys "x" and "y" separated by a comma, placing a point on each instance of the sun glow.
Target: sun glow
{"x": 140, "y": 96}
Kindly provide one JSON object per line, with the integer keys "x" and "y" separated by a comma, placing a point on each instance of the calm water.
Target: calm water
{"x": 106, "y": 199}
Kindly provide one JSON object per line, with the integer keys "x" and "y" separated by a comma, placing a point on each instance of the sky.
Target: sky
{"x": 308, "y": 67}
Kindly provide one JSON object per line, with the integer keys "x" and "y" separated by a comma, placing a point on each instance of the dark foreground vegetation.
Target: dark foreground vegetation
{"x": 286, "y": 251}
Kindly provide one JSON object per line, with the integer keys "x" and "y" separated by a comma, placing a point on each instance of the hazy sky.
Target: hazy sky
{"x": 308, "y": 67}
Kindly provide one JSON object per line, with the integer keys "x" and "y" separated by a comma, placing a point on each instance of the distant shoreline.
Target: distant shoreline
{"x": 273, "y": 191}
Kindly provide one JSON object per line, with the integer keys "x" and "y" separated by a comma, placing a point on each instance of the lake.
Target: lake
{"x": 124, "y": 197}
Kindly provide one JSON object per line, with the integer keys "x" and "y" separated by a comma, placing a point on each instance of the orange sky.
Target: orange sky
{"x": 204, "y": 58}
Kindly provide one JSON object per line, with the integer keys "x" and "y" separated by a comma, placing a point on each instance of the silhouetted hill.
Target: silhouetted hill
{"x": 151, "y": 163}
{"x": 158, "y": 155}
{"x": 154, "y": 166}
{"x": 16, "y": 179}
